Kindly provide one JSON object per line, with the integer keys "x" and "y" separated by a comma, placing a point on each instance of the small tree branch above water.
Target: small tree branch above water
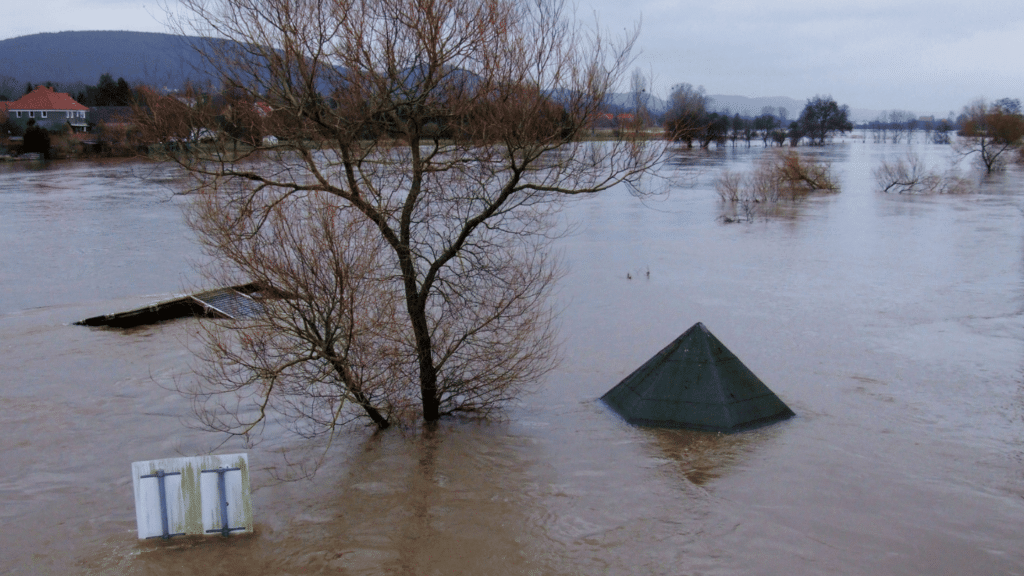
{"x": 909, "y": 175}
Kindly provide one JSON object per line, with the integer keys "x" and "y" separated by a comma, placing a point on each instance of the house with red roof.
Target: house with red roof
{"x": 50, "y": 109}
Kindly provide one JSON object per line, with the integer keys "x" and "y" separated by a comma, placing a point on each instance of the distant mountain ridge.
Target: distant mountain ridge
{"x": 64, "y": 58}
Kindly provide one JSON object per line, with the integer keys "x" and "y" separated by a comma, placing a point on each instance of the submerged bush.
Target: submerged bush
{"x": 909, "y": 175}
{"x": 777, "y": 176}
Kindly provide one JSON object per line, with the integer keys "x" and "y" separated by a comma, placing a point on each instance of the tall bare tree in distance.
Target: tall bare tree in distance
{"x": 401, "y": 223}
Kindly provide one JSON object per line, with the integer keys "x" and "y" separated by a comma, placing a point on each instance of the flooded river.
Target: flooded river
{"x": 892, "y": 325}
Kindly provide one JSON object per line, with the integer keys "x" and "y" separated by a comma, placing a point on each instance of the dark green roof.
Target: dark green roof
{"x": 696, "y": 382}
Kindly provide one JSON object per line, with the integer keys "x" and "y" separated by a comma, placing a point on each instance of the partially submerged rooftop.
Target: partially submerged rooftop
{"x": 229, "y": 302}
{"x": 697, "y": 383}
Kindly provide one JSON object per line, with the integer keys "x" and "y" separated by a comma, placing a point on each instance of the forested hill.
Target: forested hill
{"x": 65, "y": 58}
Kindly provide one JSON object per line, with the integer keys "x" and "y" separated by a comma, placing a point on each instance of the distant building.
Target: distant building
{"x": 51, "y": 110}
{"x": 609, "y": 120}
{"x": 263, "y": 109}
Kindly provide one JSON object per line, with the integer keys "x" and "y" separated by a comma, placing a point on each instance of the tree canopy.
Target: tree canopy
{"x": 822, "y": 117}
{"x": 106, "y": 92}
{"x": 991, "y": 130}
{"x": 686, "y": 119}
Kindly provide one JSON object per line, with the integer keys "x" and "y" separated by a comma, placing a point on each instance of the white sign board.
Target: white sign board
{"x": 197, "y": 495}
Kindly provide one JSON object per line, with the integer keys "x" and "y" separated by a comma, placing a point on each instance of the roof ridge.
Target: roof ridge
{"x": 46, "y": 98}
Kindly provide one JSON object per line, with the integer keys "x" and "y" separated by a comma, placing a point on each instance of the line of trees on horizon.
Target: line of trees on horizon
{"x": 986, "y": 130}
{"x": 689, "y": 120}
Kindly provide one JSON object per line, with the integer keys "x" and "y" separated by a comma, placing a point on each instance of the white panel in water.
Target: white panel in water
{"x": 210, "y": 489}
{"x": 148, "y": 509}
{"x": 192, "y": 498}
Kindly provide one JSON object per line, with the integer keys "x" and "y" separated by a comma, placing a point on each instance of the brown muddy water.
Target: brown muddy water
{"x": 892, "y": 325}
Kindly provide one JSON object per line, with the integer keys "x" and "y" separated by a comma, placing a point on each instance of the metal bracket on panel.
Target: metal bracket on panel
{"x": 222, "y": 490}
{"x": 160, "y": 475}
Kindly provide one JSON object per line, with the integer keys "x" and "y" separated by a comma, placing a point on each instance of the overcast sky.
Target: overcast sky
{"x": 929, "y": 57}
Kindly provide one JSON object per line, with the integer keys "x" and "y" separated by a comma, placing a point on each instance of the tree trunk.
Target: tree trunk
{"x": 429, "y": 400}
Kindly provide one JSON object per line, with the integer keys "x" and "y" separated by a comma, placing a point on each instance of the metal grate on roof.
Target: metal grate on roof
{"x": 230, "y": 302}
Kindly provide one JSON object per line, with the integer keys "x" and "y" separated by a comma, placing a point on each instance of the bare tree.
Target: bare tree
{"x": 401, "y": 225}
{"x": 1008, "y": 105}
{"x": 783, "y": 116}
{"x": 638, "y": 93}
{"x": 942, "y": 129}
{"x": 880, "y": 127}
{"x": 737, "y": 128}
{"x": 912, "y": 126}
{"x": 765, "y": 123}
{"x": 779, "y": 137}
{"x": 900, "y": 125}
{"x": 990, "y": 131}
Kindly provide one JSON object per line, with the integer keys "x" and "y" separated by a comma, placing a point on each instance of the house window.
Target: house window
{"x": 18, "y": 113}
{"x": 31, "y": 114}
{"x": 42, "y": 114}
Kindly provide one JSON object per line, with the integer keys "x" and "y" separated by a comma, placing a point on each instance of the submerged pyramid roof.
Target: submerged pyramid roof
{"x": 696, "y": 382}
